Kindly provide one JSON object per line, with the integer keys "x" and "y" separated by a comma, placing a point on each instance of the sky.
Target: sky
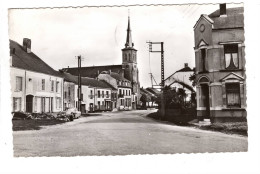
{"x": 98, "y": 34}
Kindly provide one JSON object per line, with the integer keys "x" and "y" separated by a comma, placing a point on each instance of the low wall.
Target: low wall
{"x": 180, "y": 115}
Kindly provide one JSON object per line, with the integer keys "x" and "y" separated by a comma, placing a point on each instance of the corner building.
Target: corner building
{"x": 220, "y": 65}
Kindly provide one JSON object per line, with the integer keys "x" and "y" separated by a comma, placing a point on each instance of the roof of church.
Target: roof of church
{"x": 234, "y": 18}
{"x": 129, "y": 42}
{"x": 94, "y": 71}
{"x": 29, "y": 61}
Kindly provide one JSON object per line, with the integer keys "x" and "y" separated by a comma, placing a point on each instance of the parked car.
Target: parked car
{"x": 74, "y": 112}
{"x": 21, "y": 116}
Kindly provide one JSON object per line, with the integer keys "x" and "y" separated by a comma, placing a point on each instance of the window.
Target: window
{"x": 91, "y": 94}
{"x": 99, "y": 105}
{"x": 43, "y": 84}
{"x": 103, "y": 95}
{"x": 58, "y": 102}
{"x": 57, "y": 86}
{"x": 231, "y": 56}
{"x": 69, "y": 92}
{"x": 98, "y": 94}
{"x": 18, "y": 86}
{"x": 203, "y": 59}
{"x": 17, "y": 104}
{"x": 52, "y": 85}
{"x": 65, "y": 94}
{"x": 233, "y": 94}
{"x": 107, "y": 94}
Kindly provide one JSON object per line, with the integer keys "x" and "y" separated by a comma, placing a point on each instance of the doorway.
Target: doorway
{"x": 29, "y": 103}
{"x": 205, "y": 100}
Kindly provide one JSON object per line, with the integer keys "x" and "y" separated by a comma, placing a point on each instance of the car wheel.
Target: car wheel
{"x": 71, "y": 117}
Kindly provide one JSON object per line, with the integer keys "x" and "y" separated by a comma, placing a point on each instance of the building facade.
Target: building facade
{"x": 220, "y": 65}
{"x": 125, "y": 96}
{"x": 35, "y": 86}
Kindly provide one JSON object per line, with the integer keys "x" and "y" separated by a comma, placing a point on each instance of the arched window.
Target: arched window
{"x": 129, "y": 57}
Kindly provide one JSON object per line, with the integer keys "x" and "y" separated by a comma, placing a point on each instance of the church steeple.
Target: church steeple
{"x": 129, "y": 42}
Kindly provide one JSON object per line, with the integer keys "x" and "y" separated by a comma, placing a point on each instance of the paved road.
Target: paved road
{"x": 122, "y": 133}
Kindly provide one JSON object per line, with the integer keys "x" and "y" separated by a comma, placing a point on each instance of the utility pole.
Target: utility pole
{"x": 79, "y": 83}
{"x": 162, "y": 109}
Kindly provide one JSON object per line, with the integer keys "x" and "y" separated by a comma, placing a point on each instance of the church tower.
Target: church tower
{"x": 129, "y": 59}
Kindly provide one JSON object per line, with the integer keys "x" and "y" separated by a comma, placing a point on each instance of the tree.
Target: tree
{"x": 192, "y": 78}
{"x": 143, "y": 99}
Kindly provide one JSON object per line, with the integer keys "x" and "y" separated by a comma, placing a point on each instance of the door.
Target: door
{"x": 205, "y": 100}
{"x": 29, "y": 103}
{"x": 91, "y": 109}
{"x": 83, "y": 110}
{"x": 51, "y": 104}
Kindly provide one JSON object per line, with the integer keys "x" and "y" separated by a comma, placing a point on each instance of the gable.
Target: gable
{"x": 203, "y": 31}
{"x": 202, "y": 43}
{"x": 232, "y": 76}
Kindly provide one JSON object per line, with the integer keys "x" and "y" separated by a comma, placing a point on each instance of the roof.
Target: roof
{"x": 144, "y": 91}
{"x": 206, "y": 17}
{"x": 69, "y": 78}
{"x": 234, "y": 18}
{"x": 93, "y": 71}
{"x": 86, "y": 81}
{"x": 153, "y": 91}
{"x": 29, "y": 61}
{"x": 118, "y": 76}
{"x": 94, "y": 83}
{"x": 185, "y": 69}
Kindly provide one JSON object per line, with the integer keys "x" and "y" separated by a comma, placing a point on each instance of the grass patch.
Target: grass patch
{"x": 236, "y": 127}
{"x": 21, "y": 125}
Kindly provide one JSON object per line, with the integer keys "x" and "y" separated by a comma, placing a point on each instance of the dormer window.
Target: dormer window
{"x": 231, "y": 56}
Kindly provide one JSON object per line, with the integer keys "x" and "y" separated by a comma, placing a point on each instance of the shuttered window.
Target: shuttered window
{"x": 19, "y": 84}
{"x": 17, "y": 103}
{"x": 233, "y": 94}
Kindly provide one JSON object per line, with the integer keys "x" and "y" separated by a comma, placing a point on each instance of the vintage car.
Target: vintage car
{"x": 73, "y": 112}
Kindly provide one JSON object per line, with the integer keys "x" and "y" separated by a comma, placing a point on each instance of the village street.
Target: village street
{"x": 121, "y": 133}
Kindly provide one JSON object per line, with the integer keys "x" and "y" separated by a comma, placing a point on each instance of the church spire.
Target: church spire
{"x": 129, "y": 42}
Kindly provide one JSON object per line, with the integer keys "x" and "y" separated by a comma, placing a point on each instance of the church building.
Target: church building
{"x": 128, "y": 69}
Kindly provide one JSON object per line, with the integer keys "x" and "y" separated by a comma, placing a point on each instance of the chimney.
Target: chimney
{"x": 185, "y": 65}
{"x": 222, "y": 10}
{"x": 27, "y": 45}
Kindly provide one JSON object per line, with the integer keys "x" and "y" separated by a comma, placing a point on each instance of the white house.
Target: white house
{"x": 180, "y": 79}
{"x": 96, "y": 95}
{"x": 36, "y": 87}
